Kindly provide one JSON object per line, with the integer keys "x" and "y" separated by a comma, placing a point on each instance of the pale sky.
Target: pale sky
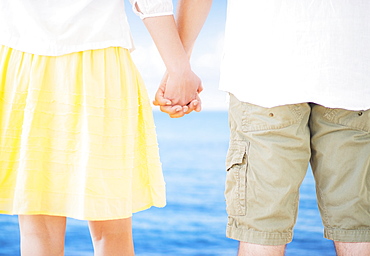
{"x": 205, "y": 59}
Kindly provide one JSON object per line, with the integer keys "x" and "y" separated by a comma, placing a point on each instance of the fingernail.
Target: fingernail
{"x": 178, "y": 109}
{"x": 195, "y": 102}
{"x": 168, "y": 103}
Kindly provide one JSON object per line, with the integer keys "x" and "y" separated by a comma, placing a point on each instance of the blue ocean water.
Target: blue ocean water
{"x": 193, "y": 152}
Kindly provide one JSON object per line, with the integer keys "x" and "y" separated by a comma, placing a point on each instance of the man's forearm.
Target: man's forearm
{"x": 191, "y": 15}
{"x": 164, "y": 33}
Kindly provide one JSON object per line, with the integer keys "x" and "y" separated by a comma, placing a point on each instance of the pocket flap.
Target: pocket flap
{"x": 235, "y": 155}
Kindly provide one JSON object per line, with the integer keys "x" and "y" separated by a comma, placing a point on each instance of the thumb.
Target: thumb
{"x": 159, "y": 99}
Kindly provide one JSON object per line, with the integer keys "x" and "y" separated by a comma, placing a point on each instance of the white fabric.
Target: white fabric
{"x": 283, "y": 52}
{"x": 57, "y": 27}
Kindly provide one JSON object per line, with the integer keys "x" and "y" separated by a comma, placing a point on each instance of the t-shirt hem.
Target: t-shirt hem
{"x": 297, "y": 99}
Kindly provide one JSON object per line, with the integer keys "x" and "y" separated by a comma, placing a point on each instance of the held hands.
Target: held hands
{"x": 178, "y": 93}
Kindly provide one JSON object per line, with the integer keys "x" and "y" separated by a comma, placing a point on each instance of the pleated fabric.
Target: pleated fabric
{"x": 77, "y": 136}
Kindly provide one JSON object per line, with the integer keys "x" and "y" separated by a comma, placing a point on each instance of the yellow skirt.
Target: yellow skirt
{"x": 77, "y": 136}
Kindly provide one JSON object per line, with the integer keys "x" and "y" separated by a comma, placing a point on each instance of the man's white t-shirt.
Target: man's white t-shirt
{"x": 281, "y": 52}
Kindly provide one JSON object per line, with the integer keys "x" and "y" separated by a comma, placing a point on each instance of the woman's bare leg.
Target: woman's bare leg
{"x": 42, "y": 235}
{"x": 112, "y": 237}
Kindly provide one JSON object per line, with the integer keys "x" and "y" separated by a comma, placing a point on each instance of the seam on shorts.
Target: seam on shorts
{"x": 242, "y": 186}
{"x": 257, "y": 237}
{"x": 324, "y": 211}
{"x": 331, "y": 114}
{"x": 236, "y": 203}
{"x": 296, "y": 109}
{"x": 349, "y": 236}
{"x": 248, "y": 127}
{"x": 295, "y": 209}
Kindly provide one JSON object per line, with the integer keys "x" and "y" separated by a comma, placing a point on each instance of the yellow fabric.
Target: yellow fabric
{"x": 77, "y": 136}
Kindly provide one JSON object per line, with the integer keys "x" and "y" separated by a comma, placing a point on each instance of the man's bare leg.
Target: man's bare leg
{"x": 247, "y": 249}
{"x": 352, "y": 249}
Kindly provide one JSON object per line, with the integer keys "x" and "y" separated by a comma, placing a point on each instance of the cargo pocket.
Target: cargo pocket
{"x": 235, "y": 189}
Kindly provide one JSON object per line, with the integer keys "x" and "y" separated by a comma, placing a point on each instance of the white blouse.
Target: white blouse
{"x": 57, "y": 27}
{"x": 280, "y": 52}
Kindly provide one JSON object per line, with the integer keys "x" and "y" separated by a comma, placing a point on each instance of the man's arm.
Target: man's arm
{"x": 191, "y": 15}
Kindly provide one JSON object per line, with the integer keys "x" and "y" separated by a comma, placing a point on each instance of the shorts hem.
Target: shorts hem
{"x": 258, "y": 237}
{"x": 347, "y": 236}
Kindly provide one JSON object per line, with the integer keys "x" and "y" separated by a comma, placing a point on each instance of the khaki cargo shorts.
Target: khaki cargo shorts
{"x": 268, "y": 156}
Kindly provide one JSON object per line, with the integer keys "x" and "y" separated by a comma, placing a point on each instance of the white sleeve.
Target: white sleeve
{"x": 152, "y": 8}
